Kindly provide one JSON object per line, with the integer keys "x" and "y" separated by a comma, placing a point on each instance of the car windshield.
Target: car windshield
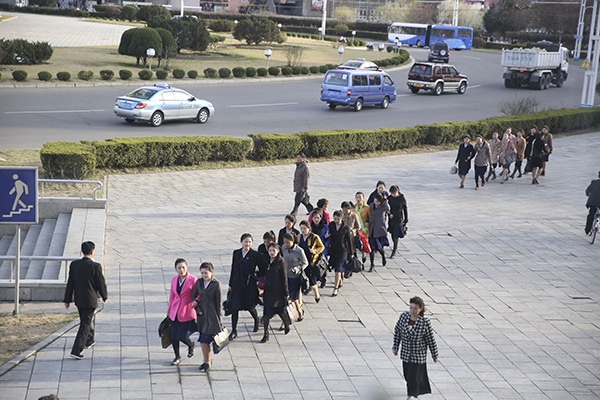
{"x": 439, "y": 46}
{"x": 353, "y": 64}
{"x": 420, "y": 69}
{"x": 142, "y": 93}
{"x": 336, "y": 78}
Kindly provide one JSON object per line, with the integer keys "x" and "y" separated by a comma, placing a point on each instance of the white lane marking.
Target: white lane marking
{"x": 51, "y": 112}
{"x": 264, "y": 105}
{"x": 474, "y": 86}
{"x": 474, "y": 58}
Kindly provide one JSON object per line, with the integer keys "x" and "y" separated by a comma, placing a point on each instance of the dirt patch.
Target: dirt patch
{"x": 17, "y": 334}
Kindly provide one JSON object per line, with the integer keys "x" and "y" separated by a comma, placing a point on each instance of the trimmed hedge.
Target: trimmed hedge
{"x": 63, "y": 76}
{"x": 239, "y": 72}
{"x": 210, "y": 73}
{"x": 224, "y": 73}
{"x": 286, "y": 71}
{"x": 192, "y": 74}
{"x": 250, "y": 72}
{"x": 19, "y": 75}
{"x": 178, "y": 73}
{"x": 106, "y": 74}
{"x": 274, "y": 71}
{"x": 262, "y": 71}
{"x": 314, "y": 69}
{"x": 44, "y": 76}
{"x": 79, "y": 160}
{"x": 145, "y": 74}
{"x": 85, "y": 75}
{"x": 125, "y": 74}
{"x": 162, "y": 74}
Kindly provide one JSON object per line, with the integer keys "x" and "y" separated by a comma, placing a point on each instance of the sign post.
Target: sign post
{"x": 18, "y": 206}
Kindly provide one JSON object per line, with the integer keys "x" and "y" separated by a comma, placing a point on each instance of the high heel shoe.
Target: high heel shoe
{"x": 335, "y": 292}
{"x": 256, "y": 324}
{"x": 317, "y": 299}
{"x": 233, "y": 335}
{"x": 301, "y": 317}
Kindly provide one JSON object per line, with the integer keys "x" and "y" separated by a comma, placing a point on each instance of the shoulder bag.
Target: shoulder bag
{"x": 291, "y": 313}
{"x": 220, "y": 341}
{"x": 164, "y": 331}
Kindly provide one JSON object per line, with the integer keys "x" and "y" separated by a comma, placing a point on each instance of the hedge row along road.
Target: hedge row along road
{"x": 31, "y": 117}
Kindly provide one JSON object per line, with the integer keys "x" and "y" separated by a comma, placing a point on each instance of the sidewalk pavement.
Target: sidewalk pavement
{"x": 508, "y": 277}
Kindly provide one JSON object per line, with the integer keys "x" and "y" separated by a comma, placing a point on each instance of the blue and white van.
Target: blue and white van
{"x": 357, "y": 88}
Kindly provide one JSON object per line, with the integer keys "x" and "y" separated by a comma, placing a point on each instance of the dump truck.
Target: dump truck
{"x": 537, "y": 66}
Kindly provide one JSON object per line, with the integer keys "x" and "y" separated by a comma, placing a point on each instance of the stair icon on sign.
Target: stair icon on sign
{"x": 18, "y": 212}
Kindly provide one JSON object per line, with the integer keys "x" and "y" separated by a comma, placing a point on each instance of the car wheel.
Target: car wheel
{"x": 419, "y": 43}
{"x": 202, "y": 116}
{"x": 332, "y": 106}
{"x": 415, "y": 90}
{"x": 358, "y": 105}
{"x": 439, "y": 88}
{"x": 385, "y": 103}
{"x": 156, "y": 119}
{"x": 130, "y": 120}
{"x": 462, "y": 88}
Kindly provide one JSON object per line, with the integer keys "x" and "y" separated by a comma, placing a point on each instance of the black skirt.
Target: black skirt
{"x": 182, "y": 330}
{"x": 417, "y": 381}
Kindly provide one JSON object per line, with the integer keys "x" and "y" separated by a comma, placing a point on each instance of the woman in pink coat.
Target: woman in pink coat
{"x": 181, "y": 312}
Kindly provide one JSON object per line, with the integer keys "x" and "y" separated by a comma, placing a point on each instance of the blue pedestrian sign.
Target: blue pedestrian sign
{"x": 18, "y": 195}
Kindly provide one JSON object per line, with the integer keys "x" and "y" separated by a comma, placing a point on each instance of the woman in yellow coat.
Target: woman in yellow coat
{"x": 313, "y": 248}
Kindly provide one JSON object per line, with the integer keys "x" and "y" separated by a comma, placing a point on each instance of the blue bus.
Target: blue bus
{"x": 421, "y": 35}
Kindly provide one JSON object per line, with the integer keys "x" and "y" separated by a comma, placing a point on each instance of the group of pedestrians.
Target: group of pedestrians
{"x": 534, "y": 150}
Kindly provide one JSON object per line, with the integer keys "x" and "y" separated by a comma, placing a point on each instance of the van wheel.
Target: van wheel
{"x": 385, "y": 103}
{"x": 415, "y": 90}
{"x": 419, "y": 43}
{"x": 156, "y": 119}
{"x": 332, "y": 106}
{"x": 439, "y": 88}
{"x": 358, "y": 105}
{"x": 462, "y": 88}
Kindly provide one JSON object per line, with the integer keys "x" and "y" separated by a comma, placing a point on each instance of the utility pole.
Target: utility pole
{"x": 324, "y": 20}
{"x": 579, "y": 35}
{"x": 589, "y": 81}
{"x": 455, "y": 13}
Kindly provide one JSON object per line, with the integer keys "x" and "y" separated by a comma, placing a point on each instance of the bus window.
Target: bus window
{"x": 443, "y": 33}
{"x": 464, "y": 33}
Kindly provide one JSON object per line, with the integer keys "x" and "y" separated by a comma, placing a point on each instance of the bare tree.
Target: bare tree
{"x": 294, "y": 55}
{"x": 516, "y": 106}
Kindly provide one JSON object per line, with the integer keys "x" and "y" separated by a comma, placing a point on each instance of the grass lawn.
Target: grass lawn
{"x": 229, "y": 54}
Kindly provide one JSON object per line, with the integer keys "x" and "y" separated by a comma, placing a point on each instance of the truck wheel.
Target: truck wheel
{"x": 439, "y": 88}
{"x": 462, "y": 88}
{"x": 547, "y": 81}
{"x": 509, "y": 83}
{"x": 560, "y": 80}
{"x": 415, "y": 90}
{"x": 537, "y": 85}
{"x": 358, "y": 105}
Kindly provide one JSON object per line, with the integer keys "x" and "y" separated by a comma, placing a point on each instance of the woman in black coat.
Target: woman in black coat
{"x": 275, "y": 297}
{"x": 207, "y": 302}
{"x": 535, "y": 156}
{"x": 340, "y": 247}
{"x": 244, "y": 293}
{"x": 463, "y": 159}
{"x": 398, "y": 216}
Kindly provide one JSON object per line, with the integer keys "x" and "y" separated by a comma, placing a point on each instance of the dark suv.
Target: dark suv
{"x": 439, "y": 51}
{"x": 436, "y": 78}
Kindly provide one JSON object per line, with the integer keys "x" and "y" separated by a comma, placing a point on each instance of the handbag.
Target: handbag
{"x": 164, "y": 331}
{"x": 227, "y": 304}
{"x": 510, "y": 158}
{"x": 366, "y": 247}
{"x": 528, "y": 167}
{"x": 320, "y": 267}
{"x": 453, "y": 170}
{"x": 358, "y": 243}
{"x": 305, "y": 199}
{"x": 220, "y": 341}
{"x": 354, "y": 265}
{"x": 291, "y": 313}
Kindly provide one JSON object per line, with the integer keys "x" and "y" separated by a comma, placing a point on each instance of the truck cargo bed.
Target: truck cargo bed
{"x": 530, "y": 59}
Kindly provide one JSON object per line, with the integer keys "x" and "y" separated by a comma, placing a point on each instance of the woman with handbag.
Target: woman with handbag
{"x": 207, "y": 302}
{"x": 536, "y": 157}
{"x": 180, "y": 310}
{"x": 377, "y": 231}
{"x": 245, "y": 263}
{"x": 313, "y": 249}
{"x": 508, "y": 154}
{"x": 353, "y": 223}
{"x": 276, "y": 293}
{"x": 398, "y": 216}
{"x": 363, "y": 212}
{"x": 296, "y": 263}
{"x": 339, "y": 248}
{"x": 414, "y": 332}
{"x": 321, "y": 229}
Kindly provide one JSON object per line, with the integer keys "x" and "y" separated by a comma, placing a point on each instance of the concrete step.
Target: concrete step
{"x": 5, "y": 244}
{"x": 36, "y": 268}
{"x": 57, "y": 247}
{"x": 12, "y": 249}
{"x": 87, "y": 224}
{"x": 28, "y": 246}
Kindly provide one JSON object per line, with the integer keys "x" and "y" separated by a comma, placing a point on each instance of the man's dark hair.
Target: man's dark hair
{"x": 338, "y": 213}
{"x": 378, "y": 197}
{"x": 301, "y": 154}
{"x": 49, "y": 397}
{"x": 87, "y": 248}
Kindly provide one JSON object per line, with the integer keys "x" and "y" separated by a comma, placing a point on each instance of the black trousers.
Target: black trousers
{"x": 590, "y": 219}
{"x": 85, "y": 334}
{"x": 480, "y": 173}
{"x": 298, "y": 200}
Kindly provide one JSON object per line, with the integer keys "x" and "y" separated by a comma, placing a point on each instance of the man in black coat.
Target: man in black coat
{"x": 593, "y": 202}
{"x": 86, "y": 281}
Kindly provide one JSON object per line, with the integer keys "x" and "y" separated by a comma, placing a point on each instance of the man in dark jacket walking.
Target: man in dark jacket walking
{"x": 593, "y": 202}
{"x": 86, "y": 281}
{"x": 301, "y": 178}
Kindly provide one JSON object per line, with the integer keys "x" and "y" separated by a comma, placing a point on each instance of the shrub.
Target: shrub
{"x": 68, "y": 160}
{"x": 257, "y": 29}
{"x": 331, "y": 66}
{"x": 478, "y": 42}
{"x": 162, "y": 74}
{"x": 314, "y": 69}
{"x": 304, "y": 70}
{"x": 44, "y": 76}
{"x": 239, "y": 72}
{"x": 323, "y": 68}
{"x": 210, "y": 73}
{"x": 262, "y": 71}
{"x": 19, "y": 75}
{"x": 178, "y": 73}
{"x": 85, "y": 75}
{"x": 147, "y": 13}
{"x": 142, "y": 40}
{"x": 63, "y": 76}
{"x": 340, "y": 29}
{"x": 250, "y": 72}
{"x": 145, "y": 74}
{"x": 125, "y": 74}
{"x": 0, "y": 75}
{"x": 224, "y": 72}
{"x": 221, "y": 25}
{"x": 129, "y": 12}
{"x": 106, "y": 74}
{"x": 390, "y": 49}
{"x": 192, "y": 74}
{"x": 273, "y": 71}
{"x": 296, "y": 70}
{"x": 271, "y": 147}
{"x": 287, "y": 71}
{"x": 383, "y": 63}
{"x": 20, "y": 51}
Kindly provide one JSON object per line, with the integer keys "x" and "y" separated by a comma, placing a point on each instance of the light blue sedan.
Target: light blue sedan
{"x": 158, "y": 103}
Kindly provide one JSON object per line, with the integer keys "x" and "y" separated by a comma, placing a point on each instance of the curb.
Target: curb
{"x": 9, "y": 365}
{"x": 29, "y": 85}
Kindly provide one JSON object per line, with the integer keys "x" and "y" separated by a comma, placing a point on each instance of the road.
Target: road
{"x": 30, "y": 117}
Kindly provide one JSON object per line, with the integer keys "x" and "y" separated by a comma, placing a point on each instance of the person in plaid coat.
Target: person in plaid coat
{"x": 414, "y": 331}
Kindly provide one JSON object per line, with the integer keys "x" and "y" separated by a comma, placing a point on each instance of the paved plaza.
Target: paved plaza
{"x": 61, "y": 31}
{"x": 509, "y": 279}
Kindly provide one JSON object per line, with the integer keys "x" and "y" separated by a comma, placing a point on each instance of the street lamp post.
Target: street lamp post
{"x": 341, "y": 51}
{"x": 589, "y": 80}
{"x": 381, "y": 48}
{"x": 320, "y": 33}
{"x": 579, "y": 36}
{"x": 353, "y": 34}
{"x": 268, "y": 53}
{"x": 279, "y": 26}
{"x": 150, "y": 53}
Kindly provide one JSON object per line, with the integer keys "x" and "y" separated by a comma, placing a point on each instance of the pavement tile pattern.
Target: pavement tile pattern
{"x": 508, "y": 277}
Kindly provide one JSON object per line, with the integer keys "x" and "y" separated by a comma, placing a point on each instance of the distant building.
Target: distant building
{"x": 18, "y": 3}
